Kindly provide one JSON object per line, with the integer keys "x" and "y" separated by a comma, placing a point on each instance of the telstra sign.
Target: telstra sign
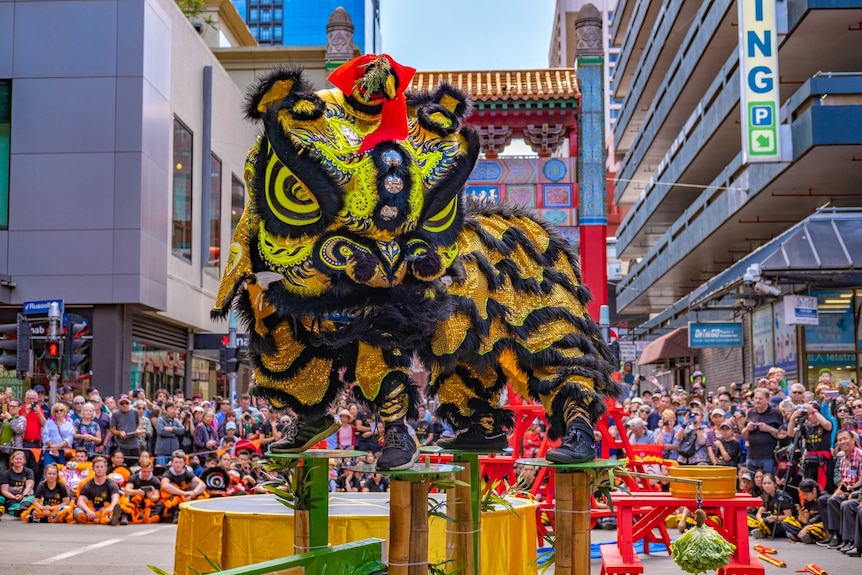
{"x": 759, "y": 103}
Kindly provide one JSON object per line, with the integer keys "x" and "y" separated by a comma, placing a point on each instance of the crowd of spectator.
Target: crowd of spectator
{"x": 84, "y": 457}
{"x": 797, "y": 449}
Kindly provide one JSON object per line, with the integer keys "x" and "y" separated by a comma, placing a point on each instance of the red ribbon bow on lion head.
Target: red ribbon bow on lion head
{"x": 377, "y": 79}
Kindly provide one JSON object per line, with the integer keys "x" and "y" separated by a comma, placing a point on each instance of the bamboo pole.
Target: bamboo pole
{"x": 581, "y": 522}
{"x": 399, "y": 527}
{"x": 459, "y": 534}
{"x": 564, "y": 506}
{"x": 301, "y": 531}
{"x": 418, "y": 529}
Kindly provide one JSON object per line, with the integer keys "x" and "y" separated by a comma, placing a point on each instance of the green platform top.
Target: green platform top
{"x": 417, "y": 473}
{"x": 574, "y": 467}
{"x": 318, "y": 454}
{"x": 434, "y": 450}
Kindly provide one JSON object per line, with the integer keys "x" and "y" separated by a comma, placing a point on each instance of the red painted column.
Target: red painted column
{"x": 594, "y": 266}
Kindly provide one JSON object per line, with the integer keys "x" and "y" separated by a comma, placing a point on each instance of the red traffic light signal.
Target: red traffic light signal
{"x": 53, "y": 355}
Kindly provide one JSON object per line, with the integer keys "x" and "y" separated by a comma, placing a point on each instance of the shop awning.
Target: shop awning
{"x": 669, "y": 346}
{"x": 824, "y": 250}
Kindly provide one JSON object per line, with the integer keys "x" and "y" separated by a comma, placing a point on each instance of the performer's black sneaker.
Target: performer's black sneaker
{"x": 579, "y": 444}
{"x": 303, "y": 434}
{"x": 828, "y": 541}
{"x": 474, "y": 439}
{"x": 399, "y": 450}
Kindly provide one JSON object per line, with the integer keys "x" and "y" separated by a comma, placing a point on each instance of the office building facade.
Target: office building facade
{"x": 701, "y": 212}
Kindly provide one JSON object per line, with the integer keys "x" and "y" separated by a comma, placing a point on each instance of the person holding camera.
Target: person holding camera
{"x": 32, "y": 438}
{"x": 816, "y": 431}
{"x": 832, "y": 506}
{"x": 761, "y": 432}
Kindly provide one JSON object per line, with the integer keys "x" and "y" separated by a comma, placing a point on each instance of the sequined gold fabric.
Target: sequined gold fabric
{"x": 308, "y": 386}
{"x": 371, "y": 368}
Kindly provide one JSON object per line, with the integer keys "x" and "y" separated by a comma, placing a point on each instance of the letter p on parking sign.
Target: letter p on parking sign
{"x": 758, "y": 56}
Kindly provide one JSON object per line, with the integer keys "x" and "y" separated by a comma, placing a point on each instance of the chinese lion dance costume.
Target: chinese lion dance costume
{"x": 357, "y": 251}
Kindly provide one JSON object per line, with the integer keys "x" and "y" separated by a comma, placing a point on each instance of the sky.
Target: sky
{"x": 434, "y": 35}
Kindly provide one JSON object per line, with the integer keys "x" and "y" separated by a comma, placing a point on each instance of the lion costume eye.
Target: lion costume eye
{"x": 288, "y": 199}
{"x": 442, "y": 220}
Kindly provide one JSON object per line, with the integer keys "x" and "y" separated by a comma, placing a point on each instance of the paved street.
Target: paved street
{"x": 76, "y": 549}
{"x": 27, "y": 549}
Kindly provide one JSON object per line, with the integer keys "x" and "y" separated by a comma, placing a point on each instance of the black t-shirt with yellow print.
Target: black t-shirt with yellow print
{"x": 50, "y": 496}
{"x": 99, "y": 495}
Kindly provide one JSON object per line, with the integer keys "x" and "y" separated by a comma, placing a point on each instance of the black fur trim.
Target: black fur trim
{"x": 266, "y": 81}
{"x": 462, "y": 110}
{"x": 312, "y": 411}
{"x": 391, "y": 380}
{"x": 596, "y": 408}
{"x": 438, "y": 197}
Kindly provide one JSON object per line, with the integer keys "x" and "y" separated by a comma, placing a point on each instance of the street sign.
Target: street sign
{"x": 758, "y": 73}
{"x": 800, "y": 310}
{"x": 218, "y": 340}
{"x": 715, "y": 334}
{"x": 628, "y": 351}
{"x": 41, "y": 307}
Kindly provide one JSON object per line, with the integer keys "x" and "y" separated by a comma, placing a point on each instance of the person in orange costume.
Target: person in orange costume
{"x": 142, "y": 503}
{"x": 180, "y": 484}
{"x": 98, "y": 498}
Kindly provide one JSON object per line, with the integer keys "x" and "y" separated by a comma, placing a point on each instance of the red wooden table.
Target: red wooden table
{"x": 638, "y": 515}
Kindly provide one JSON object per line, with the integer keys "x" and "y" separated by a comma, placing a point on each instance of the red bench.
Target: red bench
{"x": 613, "y": 564}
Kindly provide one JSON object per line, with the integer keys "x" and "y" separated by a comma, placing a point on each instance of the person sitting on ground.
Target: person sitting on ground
{"x": 777, "y": 507}
{"x": 99, "y": 497}
{"x": 348, "y": 481}
{"x": 51, "y": 500}
{"x": 180, "y": 484}
{"x": 807, "y": 526}
{"x": 142, "y": 503}
{"x": 17, "y": 485}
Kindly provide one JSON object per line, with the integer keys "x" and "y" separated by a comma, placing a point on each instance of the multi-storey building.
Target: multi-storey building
{"x": 303, "y": 22}
{"x": 122, "y": 153}
{"x": 699, "y": 209}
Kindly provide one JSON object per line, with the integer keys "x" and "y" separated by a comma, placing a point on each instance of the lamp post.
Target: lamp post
{"x": 231, "y": 333}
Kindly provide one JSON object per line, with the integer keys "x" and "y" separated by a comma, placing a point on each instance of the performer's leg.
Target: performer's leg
{"x": 397, "y": 400}
{"x": 470, "y": 402}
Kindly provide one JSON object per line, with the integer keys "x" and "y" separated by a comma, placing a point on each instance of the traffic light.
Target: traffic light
{"x": 16, "y": 337}
{"x": 76, "y": 345}
{"x": 53, "y": 355}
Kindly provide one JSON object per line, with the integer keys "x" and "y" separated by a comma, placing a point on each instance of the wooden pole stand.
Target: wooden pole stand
{"x": 462, "y": 504}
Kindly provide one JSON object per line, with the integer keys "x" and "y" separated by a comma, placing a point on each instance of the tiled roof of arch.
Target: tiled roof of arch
{"x": 505, "y": 85}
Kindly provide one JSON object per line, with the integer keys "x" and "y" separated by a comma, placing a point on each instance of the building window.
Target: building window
{"x": 5, "y": 146}
{"x": 237, "y": 202}
{"x": 277, "y": 33}
{"x": 181, "y": 236}
{"x": 277, "y": 15}
{"x": 266, "y": 16}
{"x": 266, "y": 34}
{"x": 254, "y": 15}
{"x": 214, "y": 261}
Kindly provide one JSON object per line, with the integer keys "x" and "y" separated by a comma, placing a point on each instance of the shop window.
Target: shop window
{"x": 237, "y": 202}
{"x": 181, "y": 215}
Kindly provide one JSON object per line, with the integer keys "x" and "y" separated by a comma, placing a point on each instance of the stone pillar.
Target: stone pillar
{"x": 339, "y": 39}
{"x": 592, "y": 195}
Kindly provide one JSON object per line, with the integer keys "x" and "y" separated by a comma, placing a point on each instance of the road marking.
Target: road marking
{"x": 94, "y": 546}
